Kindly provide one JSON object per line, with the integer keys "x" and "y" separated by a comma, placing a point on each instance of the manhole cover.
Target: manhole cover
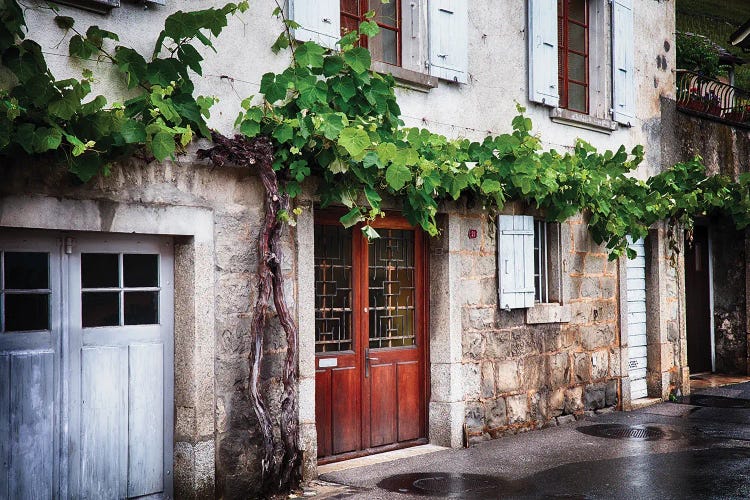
{"x": 620, "y": 431}
{"x": 446, "y": 484}
{"x": 713, "y": 401}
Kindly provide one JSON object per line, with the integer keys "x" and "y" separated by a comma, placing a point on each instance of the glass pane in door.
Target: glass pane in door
{"x": 24, "y": 291}
{"x": 333, "y": 289}
{"x": 119, "y": 289}
{"x": 392, "y": 289}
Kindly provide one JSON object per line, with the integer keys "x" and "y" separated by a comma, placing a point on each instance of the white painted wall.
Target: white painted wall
{"x": 497, "y": 68}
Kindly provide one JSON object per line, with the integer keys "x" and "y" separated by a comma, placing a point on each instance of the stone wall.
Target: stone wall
{"x": 667, "y": 369}
{"x": 520, "y": 375}
{"x": 730, "y": 321}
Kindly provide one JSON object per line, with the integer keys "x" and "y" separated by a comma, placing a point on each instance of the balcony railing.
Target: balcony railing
{"x": 712, "y": 99}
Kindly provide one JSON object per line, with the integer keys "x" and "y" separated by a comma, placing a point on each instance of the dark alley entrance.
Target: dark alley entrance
{"x": 698, "y": 301}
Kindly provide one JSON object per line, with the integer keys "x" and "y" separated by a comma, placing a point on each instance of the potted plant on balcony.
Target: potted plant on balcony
{"x": 739, "y": 113}
{"x": 712, "y": 103}
{"x": 693, "y": 100}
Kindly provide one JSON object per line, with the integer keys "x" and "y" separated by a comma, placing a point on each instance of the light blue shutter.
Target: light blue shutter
{"x": 515, "y": 260}
{"x": 320, "y": 21}
{"x": 542, "y": 38}
{"x": 449, "y": 45}
{"x": 623, "y": 51}
{"x": 636, "y": 322}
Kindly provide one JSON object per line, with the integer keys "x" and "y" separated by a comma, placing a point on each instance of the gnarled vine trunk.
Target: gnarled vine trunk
{"x": 281, "y": 460}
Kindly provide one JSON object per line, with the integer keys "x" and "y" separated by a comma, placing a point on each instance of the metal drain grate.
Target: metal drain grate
{"x": 636, "y": 433}
{"x": 448, "y": 484}
{"x": 620, "y": 431}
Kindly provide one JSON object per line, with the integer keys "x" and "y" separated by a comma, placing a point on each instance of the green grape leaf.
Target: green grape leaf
{"x": 250, "y": 128}
{"x": 309, "y": 54}
{"x": 370, "y": 233}
{"x": 358, "y": 59}
{"x": 274, "y": 87}
{"x": 162, "y": 145}
{"x": 397, "y": 176}
{"x": 133, "y": 132}
{"x": 353, "y": 217}
{"x": 354, "y": 140}
{"x": 332, "y": 124}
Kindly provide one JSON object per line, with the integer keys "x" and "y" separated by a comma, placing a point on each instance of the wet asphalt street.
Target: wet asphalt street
{"x": 696, "y": 448}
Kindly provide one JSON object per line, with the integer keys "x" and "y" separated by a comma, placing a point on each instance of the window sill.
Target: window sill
{"x": 548, "y": 313}
{"x": 97, "y": 6}
{"x": 405, "y": 77}
{"x": 581, "y": 120}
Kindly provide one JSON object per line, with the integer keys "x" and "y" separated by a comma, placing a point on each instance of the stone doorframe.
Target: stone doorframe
{"x": 665, "y": 319}
{"x": 194, "y": 342}
{"x": 446, "y": 401}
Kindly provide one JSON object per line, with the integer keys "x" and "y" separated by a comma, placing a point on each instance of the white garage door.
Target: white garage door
{"x": 636, "y": 321}
{"x": 85, "y": 366}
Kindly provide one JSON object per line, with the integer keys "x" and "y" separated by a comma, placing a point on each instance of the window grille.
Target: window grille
{"x": 333, "y": 289}
{"x": 541, "y": 262}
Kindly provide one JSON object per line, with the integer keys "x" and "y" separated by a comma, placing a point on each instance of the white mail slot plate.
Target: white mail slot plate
{"x": 328, "y": 362}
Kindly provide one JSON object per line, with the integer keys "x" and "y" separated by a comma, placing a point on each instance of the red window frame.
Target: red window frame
{"x": 564, "y": 51}
{"x": 357, "y": 17}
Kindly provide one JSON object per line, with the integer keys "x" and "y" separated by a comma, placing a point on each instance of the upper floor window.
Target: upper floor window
{"x": 386, "y": 45}
{"x": 573, "y": 58}
{"x": 570, "y": 66}
{"x": 417, "y": 39}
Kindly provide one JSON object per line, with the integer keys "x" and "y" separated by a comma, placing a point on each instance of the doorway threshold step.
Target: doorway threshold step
{"x": 380, "y": 458}
{"x": 637, "y": 404}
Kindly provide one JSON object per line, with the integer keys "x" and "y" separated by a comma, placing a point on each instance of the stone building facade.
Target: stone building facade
{"x": 489, "y": 371}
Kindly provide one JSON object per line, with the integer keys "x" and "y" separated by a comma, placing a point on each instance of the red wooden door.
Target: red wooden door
{"x": 371, "y": 381}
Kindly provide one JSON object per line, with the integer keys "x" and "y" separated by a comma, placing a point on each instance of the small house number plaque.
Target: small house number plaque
{"x": 328, "y": 362}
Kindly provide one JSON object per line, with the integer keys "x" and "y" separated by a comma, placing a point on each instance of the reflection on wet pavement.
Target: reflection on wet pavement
{"x": 711, "y": 473}
{"x": 448, "y": 485}
{"x": 695, "y": 449}
{"x": 713, "y": 401}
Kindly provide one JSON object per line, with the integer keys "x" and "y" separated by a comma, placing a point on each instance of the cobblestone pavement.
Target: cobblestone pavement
{"x": 698, "y": 447}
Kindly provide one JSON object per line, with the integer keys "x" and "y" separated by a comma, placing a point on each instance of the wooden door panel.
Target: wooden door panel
{"x": 323, "y": 408}
{"x": 5, "y": 436}
{"x": 346, "y": 413}
{"x": 383, "y": 404}
{"x": 104, "y": 373}
{"x": 409, "y": 401}
{"x": 145, "y": 419}
{"x": 27, "y": 398}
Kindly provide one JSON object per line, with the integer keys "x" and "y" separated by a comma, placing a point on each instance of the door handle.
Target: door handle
{"x": 368, "y": 358}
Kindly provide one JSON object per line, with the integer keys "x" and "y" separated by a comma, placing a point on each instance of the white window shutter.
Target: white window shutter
{"x": 449, "y": 39}
{"x": 414, "y": 41}
{"x": 320, "y": 21}
{"x": 515, "y": 260}
{"x": 623, "y": 67}
{"x": 542, "y": 39}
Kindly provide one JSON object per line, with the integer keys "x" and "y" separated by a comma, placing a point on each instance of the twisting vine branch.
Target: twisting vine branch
{"x": 279, "y": 468}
